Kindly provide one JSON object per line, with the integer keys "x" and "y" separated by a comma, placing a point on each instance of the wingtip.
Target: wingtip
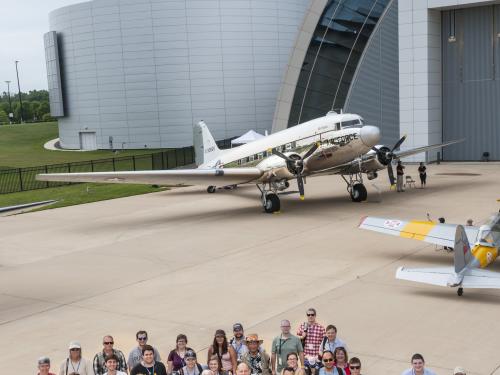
{"x": 361, "y": 221}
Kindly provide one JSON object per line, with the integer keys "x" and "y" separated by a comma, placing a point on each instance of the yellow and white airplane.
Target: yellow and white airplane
{"x": 474, "y": 248}
{"x": 338, "y": 143}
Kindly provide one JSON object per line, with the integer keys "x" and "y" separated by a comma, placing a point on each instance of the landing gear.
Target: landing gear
{"x": 460, "y": 291}
{"x": 211, "y": 189}
{"x": 355, "y": 187}
{"x": 359, "y": 193}
{"x": 271, "y": 203}
{"x": 270, "y": 200}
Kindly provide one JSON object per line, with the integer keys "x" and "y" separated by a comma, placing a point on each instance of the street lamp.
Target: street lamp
{"x": 19, "y": 90}
{"x": 11, "y": 115}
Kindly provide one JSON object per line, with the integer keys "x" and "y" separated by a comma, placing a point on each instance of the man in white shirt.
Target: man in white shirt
{"x": 112, "y": 364}
{"x": 417, "y": 366}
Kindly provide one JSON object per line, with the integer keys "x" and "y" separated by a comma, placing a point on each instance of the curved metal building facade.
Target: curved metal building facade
{"x": 140, "y": 73}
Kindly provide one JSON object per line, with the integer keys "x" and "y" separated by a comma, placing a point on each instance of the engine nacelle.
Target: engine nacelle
{"x": 372, "y": 175}
{"x": 279, "y": 168}
{"x": 379, "y": 162}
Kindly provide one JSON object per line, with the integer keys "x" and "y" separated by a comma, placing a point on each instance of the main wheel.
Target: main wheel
{"x": 272, "y": 203}
{"x": 359, "y": 193}
{"x": 460, "y": 291}
{"x": 211, "y": 189}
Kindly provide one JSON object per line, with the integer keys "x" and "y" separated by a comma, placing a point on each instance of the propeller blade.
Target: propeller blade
{"x": 390, "y": 172}
{"x": 375, "y": 149}
{"x": 311, "y": 151}
{"x": 283, "y": 156}
{"x": 398, "y": 143}
{"x": 300, "y": 184}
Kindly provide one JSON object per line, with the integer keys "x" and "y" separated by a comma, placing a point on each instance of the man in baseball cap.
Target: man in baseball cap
{"x": 238, "y": 341}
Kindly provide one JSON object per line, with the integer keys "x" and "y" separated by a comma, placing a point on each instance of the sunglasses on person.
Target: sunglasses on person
{"x": 108, "y": 342}
{"x": 75, "y": 350}
{"x": 354, "y": 367}
{"x": 311, "y": 314}
{"x": 144, "y": 338}
{"x": 327, "y": 360}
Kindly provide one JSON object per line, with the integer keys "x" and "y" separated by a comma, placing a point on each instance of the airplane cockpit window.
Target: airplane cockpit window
{"x": 337, "y": 126}
{"x": 485, "y": 234}
{"x": 352, "y": 123}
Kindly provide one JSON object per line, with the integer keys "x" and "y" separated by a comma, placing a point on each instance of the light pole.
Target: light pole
{"x": 10, "y": 103}
{"x": 19, "y": 90}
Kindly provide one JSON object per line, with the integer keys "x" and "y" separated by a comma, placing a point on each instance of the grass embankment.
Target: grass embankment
{"x": 75, "y": 194}
{"x": 21, "y": 145}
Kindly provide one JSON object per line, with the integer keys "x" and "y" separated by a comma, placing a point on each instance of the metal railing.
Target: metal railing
{"x": 22, "y": 179}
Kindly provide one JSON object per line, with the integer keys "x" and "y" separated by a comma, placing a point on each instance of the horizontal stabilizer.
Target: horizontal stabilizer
{"x": 478, "y": 278}
{"x": 439, "y": 276}
{"x": 204, "y": 177}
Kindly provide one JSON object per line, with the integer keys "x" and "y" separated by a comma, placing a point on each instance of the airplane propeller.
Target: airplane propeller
{"x": 297, "y": 165}
{"x": 387, "y": 155}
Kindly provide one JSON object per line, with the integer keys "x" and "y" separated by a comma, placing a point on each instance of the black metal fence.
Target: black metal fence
{"x": 21, "y": 179}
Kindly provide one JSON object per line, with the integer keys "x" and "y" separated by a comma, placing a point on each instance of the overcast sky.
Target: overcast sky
{"x": 21, "y": 38}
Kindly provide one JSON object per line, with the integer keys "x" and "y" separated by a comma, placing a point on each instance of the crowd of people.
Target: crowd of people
{"x": 314, "y": 350}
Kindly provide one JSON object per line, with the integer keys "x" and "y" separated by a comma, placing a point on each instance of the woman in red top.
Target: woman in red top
{"x": 341, "y": 359}
{"x": 44, "y": 366}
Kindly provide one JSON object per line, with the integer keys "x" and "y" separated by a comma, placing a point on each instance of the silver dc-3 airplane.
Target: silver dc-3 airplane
{"x": 333, "y": 144}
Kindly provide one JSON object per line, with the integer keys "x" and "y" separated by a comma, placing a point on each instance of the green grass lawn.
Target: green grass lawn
{"x": 75, "y": 194}
{"x": 22, "y": 146}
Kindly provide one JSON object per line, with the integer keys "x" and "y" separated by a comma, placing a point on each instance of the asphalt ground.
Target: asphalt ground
{"x": 184, "y": 261}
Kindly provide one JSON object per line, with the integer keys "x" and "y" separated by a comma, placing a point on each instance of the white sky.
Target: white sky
{"x": 21, "y": 38}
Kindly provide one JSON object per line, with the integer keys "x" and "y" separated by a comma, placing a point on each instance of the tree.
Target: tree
{"x": 47, "y": 117}
{"x": 4, "y": 118}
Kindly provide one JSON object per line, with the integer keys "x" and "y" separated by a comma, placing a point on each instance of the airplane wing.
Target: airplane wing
{"x": 435, "y": 276}
{"x": 205, "y": 177}
{"x": 427, "y": 231}
{"x": 418, "y": 150}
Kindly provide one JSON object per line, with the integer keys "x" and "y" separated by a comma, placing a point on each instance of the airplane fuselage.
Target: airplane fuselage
{"x": 339, "y": 144}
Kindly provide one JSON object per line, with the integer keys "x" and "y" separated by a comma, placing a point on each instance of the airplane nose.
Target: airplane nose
{"x": 370, "y": 135}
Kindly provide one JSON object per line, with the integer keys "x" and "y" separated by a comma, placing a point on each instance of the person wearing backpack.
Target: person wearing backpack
{"x": 329, "y": 367}
{"x": 331, "y": 341}
{"x": 75, "y": 364}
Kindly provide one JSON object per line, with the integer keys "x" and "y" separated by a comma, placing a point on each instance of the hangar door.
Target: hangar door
{"x": 471, "y": 82}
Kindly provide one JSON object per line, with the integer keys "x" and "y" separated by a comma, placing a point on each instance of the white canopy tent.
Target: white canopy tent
{"x": 248, "y": 137}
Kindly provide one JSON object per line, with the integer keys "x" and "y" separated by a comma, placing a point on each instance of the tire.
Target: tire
{"x": 359, "y": 193}
{"x": 272, "y": 203}
{"x": 460, "y": 291}
{"x": 211, "y": 189}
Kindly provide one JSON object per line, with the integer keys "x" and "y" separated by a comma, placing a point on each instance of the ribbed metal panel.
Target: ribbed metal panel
{"x": 374, "y": 93}
{"x": 471, "y": 86}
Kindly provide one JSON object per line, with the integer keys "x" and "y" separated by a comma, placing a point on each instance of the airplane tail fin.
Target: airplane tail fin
{"x": 205, "y": 148}
{"x": 462, "y": 253}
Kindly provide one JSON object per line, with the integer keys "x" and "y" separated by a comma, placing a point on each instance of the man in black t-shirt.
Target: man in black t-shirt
{"x": 148, "y": 365}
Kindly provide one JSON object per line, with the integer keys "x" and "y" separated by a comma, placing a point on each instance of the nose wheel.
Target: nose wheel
{"x": 460, "y": 291}
{"x": 211, "y": 189}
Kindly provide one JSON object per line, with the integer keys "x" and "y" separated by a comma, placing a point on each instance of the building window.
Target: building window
{"x": 332, "y": 57}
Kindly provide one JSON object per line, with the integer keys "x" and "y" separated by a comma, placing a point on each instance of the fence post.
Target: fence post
{"x": 92, "y": 165}
{"x": 69, "y": 167}
{"x": 46, "y": 171}
{"x": 114, "y": 169}
{"x": 162, "y": 161}
{"x": 133, "y": 162}
{"x": 20, "y": 179}
{"x": 152, "y": 162}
